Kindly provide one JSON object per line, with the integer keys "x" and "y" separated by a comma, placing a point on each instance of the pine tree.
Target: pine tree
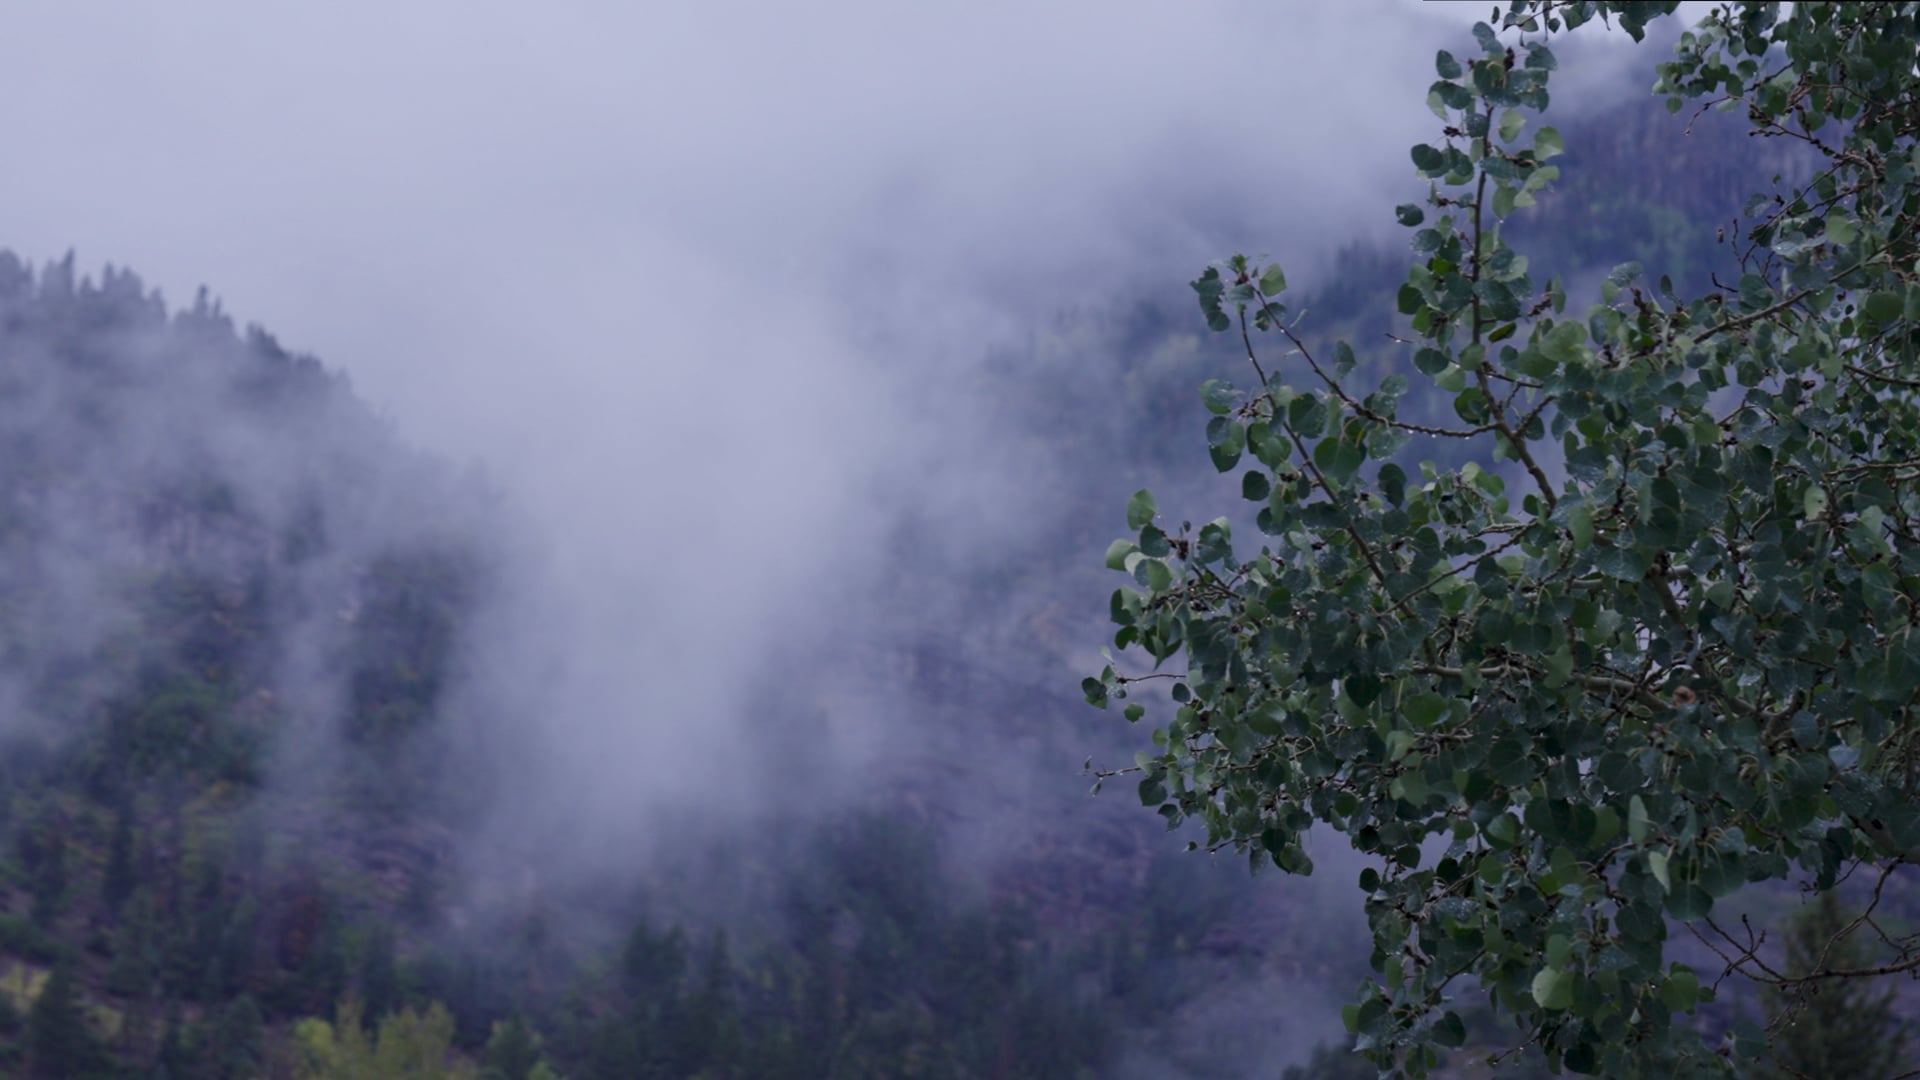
{"x": 172, "y": 1062}
{"x": 49, "y": 881}
{"x": 708, "y": 1030}
{"x": 238, "y": 1042}
{"x": 10, "y": 1018}
{"x": 378, "y": 978}
{"x": 613, "y": 1051}
{"x": 1841, "y": 1028}
{"x": 513, "y": 1052}
{"x": 136, "y": 944}
{"x": 120, "y": 878}
{"x": 61, "y": 1044}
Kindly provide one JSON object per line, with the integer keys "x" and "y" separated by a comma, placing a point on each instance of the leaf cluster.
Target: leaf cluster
{"x": 1654, "y": 644}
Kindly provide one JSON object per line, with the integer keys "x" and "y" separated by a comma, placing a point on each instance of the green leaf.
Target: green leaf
{"x": 1502, "y": 831}
{"x": 1338, "y": 459}
{"x": 1884, "y": 306}
{"x": 1095, "y": 691}
{"x": 1254, "y": 486}
{"x": 1273, "y": 282}
{"x": 1561, "y": 345}
{"x": 1606, "y": 826}
{"x": 1267, "y": 445}
{"x": 1680, "y": 990}
{"x": 1446, "y": 66}
{"x": 1154, "y": 575}
{"x": 1362, "y": 688}
{"x": 1553, "y": 989}
{"x": 1559, "y": 668}
{"x": 1409, "y": 214}
{"x": 1152, "y": 792}
{"x": 1689, "y": 901}
{"x": 1218, "y": 396}
{"x": 1580, "y": 524}
{"x": 1343, "y": 359}
{"x": 1505, "y": 198}
{"x": 1399, "y": 743}
{"x": 1814, "y": 502}
{"x": 1226, "y": 453}
{"x": 1408, "y": 300}
{"x": 1511, "y": 122}
{"x": 1450, "y": 1031}
{"x": 1210, "y": 289}
{"x": 1141, "y": 508}
{"x": 1548, "y": 143}
{"x": 1117, "y": 553}
{"x": 1393, "y": 483}
{"x": 1638, "y": 824}
{"x": 1621, "y": 564}
{"x": 1657, "y": 865}
{"x": 1423, "y": 709}
{"x": 1306, "y": 413}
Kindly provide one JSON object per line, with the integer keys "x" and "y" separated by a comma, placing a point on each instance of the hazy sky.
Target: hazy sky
{"x": 669, "y": 269}
{"x": 536, "y": 224}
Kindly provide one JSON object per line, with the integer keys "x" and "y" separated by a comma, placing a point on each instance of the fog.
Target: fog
{"x": 686, "y": 281}
{"x": 706, "y": 292}
{"x": 702, "y": 289}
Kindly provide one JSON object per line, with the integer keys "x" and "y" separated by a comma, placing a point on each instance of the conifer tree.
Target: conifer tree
{"x": 513, "y": 1052}
{"x": 1835, "y": 1028}
{"x": 61, "y": 1043}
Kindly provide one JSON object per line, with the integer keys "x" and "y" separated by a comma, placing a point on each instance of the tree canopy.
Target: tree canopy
{"x": 1646, "y": 638}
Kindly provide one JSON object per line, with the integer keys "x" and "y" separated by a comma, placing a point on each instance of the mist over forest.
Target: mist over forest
{"x": 565, "y": 543}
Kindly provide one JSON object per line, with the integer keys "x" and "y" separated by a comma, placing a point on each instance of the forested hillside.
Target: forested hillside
{"x": 243, "y": 771}
{"x": 237, "y": 772}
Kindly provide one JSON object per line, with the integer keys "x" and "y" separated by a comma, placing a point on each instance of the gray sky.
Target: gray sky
{"x": 670, "y": 269}
{"x": 505, "y": 220}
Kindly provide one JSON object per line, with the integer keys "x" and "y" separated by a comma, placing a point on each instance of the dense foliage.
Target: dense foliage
{"x": 1653, "y": 641}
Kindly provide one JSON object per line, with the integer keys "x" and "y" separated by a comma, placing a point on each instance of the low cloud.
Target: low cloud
{"x": 702, "y": 287}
